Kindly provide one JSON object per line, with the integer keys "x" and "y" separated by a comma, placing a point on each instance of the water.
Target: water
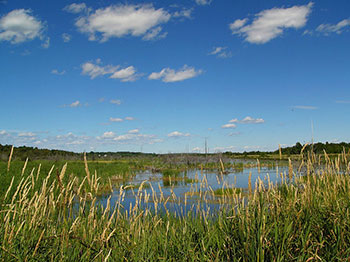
{"x": 175, "y": 188}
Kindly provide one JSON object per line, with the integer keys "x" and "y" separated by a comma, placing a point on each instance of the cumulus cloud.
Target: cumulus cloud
{"x": 196, "y": 149}
{"x": 125, "y": 75}
{"x": 46, "y": 43}
{"x": 115, "y": 102}
{"x": 154, "y": 34}
{"x": 115, "y": 72}
{"x": 107, "y": 135}
{"x": 134, "y": 131}
{"x": 303, "y": 107}
{"x": 3, "y": 133}
{"x": 338, "y": 28}
{"x": 115, "y": 119}
{"x": 121, "y": 20}
{"x": 137, "y": 139}
{"x": 229, "y": 126}
{"x": 221, "y": 52}
{"x": 75, "y": 8}
{"x": 271, "y": 23}
{"x": 238, "y": 24}
{"x": 223, "y": 149}
{"x": 20, "y": 26}
{"x": 66, "y": 37}
{"x": 248, "y": 120}
{"x": 203, "y": 2}
{"x": 75, "y": 104}
{"x": 177, "y": 134}
{"x": 70, "y": 141}
{"x": 26, "y": 134}
{"x": 95, "y": 70}
{"x": 234, "y": 134}
{"x": 185, "y": 13}
{"x": 129, "y": 118}
{"x": 56, "y": 72}
{"x": 170, "y": 75}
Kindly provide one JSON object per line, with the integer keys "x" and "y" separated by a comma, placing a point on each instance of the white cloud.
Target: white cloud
{"x": 235, "y": 120}
{"x": 229, "y": 126}
{"x": 154, "y": 34}
{"x": 3, "y": 133}
{"x": 75, "y": 8}
{"x": 46, "y": 44}
{"x": 234, "y": 134}
{"x": 129, "y": 118}
{"x": 303, "y": 107}
{"x": 177, "y": 134}
{"x": 196, "y": 149}
{"x": 94, "y": 70}
{"x": 20, "y": 26}
{"x": 221, "y": 52}
{"x": 121, "y": 20}
{"x": 338, "y": 28}
{"x": 134, "y": 131}
{"x": 26, "y": 134}
{"x": 66, "y": 37}
{"x": 137, "y": 139}
{"x": 224, "y": 149}
{"x": 108, "y": 135}
{"x": 203, "y": 2}
{"x": 112, "y": 119}
{"x": 75, "y": 104}
{"x": 170, "y": 75}
{"x": 125, "y": 75}
{"x": 185, "y": 12}
{"x": 271, "y": 23}
{"x": 56, "y": 72}
{"x": 238, "y": 24}
{"x": 114, "y": 101}
{"x": 250, "y": 120}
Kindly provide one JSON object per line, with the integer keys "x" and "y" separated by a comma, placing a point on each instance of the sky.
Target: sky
{"x": 166, "y": 76}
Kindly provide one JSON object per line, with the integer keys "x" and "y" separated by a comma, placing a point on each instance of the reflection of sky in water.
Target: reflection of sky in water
{"x": 180, "y": 186}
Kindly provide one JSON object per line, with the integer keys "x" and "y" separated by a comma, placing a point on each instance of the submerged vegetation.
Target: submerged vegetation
{"x": 53, "y": 214}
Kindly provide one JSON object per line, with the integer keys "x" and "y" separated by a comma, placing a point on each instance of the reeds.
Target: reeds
{"x": 58, "y": 218}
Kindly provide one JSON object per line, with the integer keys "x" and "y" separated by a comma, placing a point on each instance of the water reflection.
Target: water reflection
{"x": 184, "y": 192}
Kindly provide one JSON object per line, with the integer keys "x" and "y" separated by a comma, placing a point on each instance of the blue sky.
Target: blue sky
{"x": 163, "y": 76}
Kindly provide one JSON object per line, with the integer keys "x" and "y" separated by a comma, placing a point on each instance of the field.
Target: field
{"x": 55, "y": 213}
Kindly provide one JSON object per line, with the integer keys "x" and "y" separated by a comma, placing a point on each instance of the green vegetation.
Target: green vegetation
{"x": 53, "y": 216}
{"x": 228, "y": 191}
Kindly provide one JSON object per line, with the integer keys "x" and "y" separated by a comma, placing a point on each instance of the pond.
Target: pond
{"x": 195, "y": 190}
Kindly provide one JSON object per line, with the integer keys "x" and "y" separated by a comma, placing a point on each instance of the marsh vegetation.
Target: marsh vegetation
{"x": 102, "y": 211}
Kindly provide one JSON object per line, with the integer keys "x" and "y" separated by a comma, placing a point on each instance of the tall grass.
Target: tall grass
{"x": 56, "y": 217}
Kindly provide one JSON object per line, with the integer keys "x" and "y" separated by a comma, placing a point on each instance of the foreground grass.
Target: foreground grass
{"x": 52, "y": 219}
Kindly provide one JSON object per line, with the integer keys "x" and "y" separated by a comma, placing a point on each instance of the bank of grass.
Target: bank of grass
{"x": 304, "y": 220}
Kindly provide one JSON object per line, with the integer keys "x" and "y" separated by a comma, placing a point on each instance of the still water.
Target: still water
{"x": 175, "y": 190}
